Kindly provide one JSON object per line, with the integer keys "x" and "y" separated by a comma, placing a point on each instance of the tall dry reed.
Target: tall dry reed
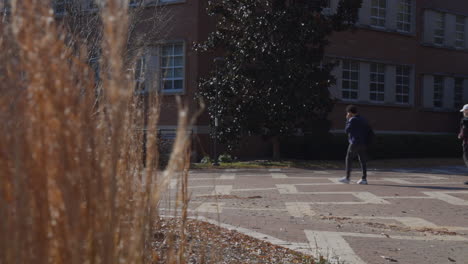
{"x": 73, "y": 188}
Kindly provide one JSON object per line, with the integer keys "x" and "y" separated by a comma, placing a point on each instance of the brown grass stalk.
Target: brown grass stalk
{"x": 73, "y": 188}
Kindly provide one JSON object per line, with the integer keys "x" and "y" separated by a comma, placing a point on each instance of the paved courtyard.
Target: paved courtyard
{"x": 404, "y": 216}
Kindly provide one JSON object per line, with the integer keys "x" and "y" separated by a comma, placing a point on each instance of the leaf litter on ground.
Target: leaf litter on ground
{"x": 209, "y": 243}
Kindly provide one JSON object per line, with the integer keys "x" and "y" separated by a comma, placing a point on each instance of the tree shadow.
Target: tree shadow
{"x": 438, "y": 170}
{"x": 424, "y": 187}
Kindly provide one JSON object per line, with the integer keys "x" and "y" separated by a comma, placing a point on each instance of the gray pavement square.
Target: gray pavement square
{"x": 411, "y": 215}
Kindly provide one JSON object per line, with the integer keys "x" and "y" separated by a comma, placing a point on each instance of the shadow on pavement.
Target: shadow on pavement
{"x": 425, "y": 187}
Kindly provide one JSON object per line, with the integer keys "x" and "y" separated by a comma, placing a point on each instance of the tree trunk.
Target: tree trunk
{"x": 276, "y": 148}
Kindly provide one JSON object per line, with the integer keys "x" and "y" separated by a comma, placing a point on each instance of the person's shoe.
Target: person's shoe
{"x": 362, "y": 181}
{"x": 344, "y": 180}
{"x": 466, "y": 182}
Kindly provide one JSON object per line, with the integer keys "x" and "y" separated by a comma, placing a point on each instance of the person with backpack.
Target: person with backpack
{"x": 463, "y": 135}
{"x": 360, "y": 135}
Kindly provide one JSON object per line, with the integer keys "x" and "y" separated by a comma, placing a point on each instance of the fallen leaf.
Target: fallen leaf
{"x": 385, "y": 235}
{"x": 389, "y": 259}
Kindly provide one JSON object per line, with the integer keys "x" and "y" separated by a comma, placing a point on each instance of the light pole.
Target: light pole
{"x": 216, "y": 61}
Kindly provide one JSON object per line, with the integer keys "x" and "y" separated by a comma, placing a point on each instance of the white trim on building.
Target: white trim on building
{"x": 439, "y": 92}
{"x": 377, "y": 83}
{"x": 443, "y": 29}
{"x": 387, "y": 15}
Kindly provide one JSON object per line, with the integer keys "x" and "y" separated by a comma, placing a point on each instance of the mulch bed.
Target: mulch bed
{"x": 208, "y": 243}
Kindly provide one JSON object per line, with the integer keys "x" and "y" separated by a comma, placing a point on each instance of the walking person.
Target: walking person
{"x": 359, "y": 136}
{"x": 463, "y": 135}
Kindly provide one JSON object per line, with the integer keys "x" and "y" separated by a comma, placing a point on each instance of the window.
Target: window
{"x": 135, "y": 2}
{"x": 172, "y": 67}
{"x": 145, "y": 2}
{"x": 350, "y": 81}
{"x": 404, "y": 16}
{"x": 378, "y": 12}
{"x": 438, "y": 91}
{"x": 94, "y": 64}
{"x": 93, "y": 4}
{"x": 377, "y": 82}
{"x": 439, "y": 29}
{"x": 5, "y": 5}
{"x": 60, "y": 6}
{"x": 402, "y": 84}
{"x": 458, "y": 100}
{"x": 326, "y": 7}
{"x": 140, "y": 72}
{"x": 460, "y": 32}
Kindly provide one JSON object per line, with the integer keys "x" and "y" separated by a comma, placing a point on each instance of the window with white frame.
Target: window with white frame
{"x": 404, "y": 16}
{"x": 95, "y": 66}
{"x": 439, "y": 29}
{"x": 350, "y": 80}
{"x": 137, "y": 2}
{"x": 402, "y": 91}
{"x": 140, "y": 74}
{"x": 92, "y": 4}
{"x": 60, "y": 6}
{"x": 460, "y": 32}
{"x": 326, "y": 8}
{"x": 143, "y": 2}
{"x": 438, "y": 91}
{"x": 378, "y": 12}
{"x": 172, "y": 67}
{"x": 458, "y": 100}
{"x": 377, "y": 82}
{"x": 5, "y": 5}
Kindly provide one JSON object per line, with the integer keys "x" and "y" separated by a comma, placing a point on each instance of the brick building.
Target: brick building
{"x": 405, "y": 65}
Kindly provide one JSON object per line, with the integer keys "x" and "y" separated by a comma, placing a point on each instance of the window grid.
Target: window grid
{"x": 93, "y": 4}
{"x": 438, "y": 91}
{"x": 143, "y": 2}
{"x": 140, "y": 74}
{"x": 5, "y": 5}
{"x": 377, "y": 82}
{"x": 404, "y": 16}
{"x": 458, "y": 100}
{"x": 60, "y": 6}
{"x": 402, "y": 84}
{"x": 378, "y": 12}
{"x": 439, "y": 30}
{"x": 134, "y": 2}
{"x": 172, "y": 67}
{"x": 350, "y": 81}
{"x": 460, "y": 32}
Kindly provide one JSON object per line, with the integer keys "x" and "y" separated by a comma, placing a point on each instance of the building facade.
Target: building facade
{"x": 405, "y": 65}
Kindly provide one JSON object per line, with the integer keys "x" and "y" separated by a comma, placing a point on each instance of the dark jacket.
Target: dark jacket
{"x": 358, "y": 130}
{"x": 464, "y": 130}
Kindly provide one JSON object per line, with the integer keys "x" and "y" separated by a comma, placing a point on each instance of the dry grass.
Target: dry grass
{"x": 73, "y": 185}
